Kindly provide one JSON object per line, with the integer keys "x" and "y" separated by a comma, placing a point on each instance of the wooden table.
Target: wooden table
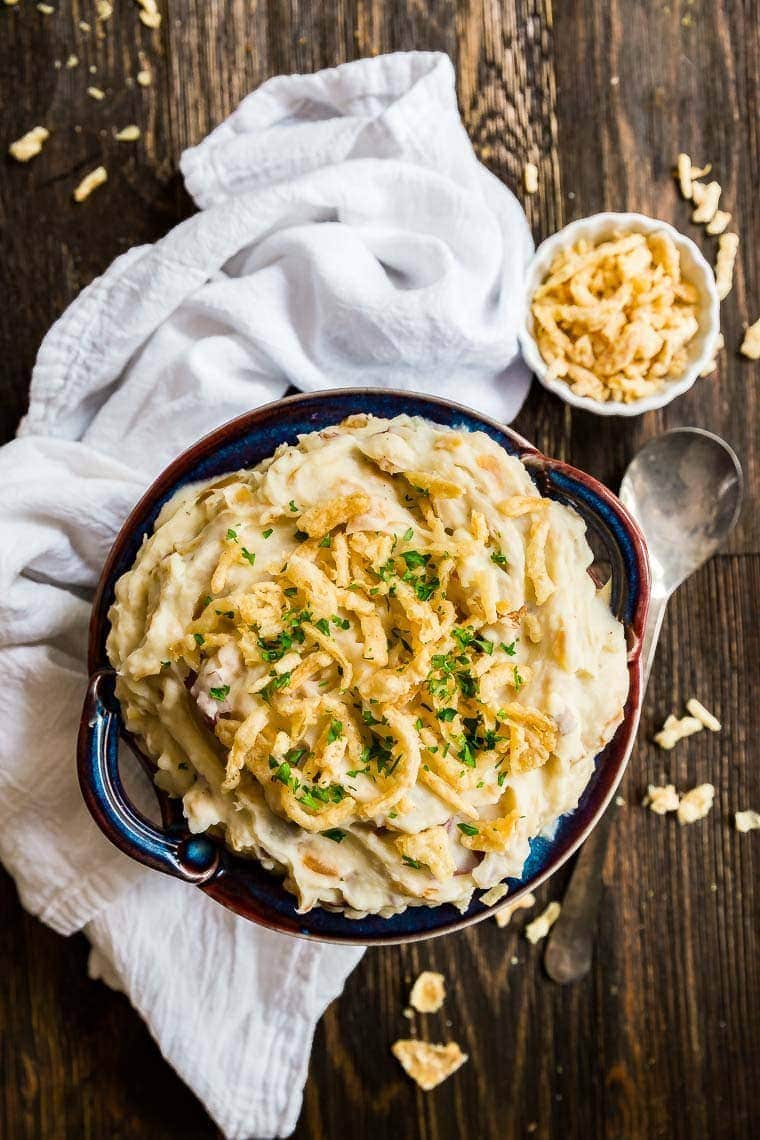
{"x": 662, "y": 1039}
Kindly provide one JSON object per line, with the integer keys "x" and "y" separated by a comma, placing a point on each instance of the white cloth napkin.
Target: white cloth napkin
{"x": 347, "y": 236}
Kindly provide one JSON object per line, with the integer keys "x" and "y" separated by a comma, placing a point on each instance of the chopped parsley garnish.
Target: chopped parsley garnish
{"x": 199, "y": 638}
{"x": 446, "y": 714}
{"x": 342, "y": 623}
{"x": 206, "y": 601}
{"x": 409, "y": 535}
{"x": 280, "y": 681}
{"x": 220, "y": 694}
{"x": 231, "y": 535}
{"x": 323, "y": 626}
{"x": 326, "y": 541}
{"x": 335, "y": 731}
{"x": 249, "y": 557}
{"x": 291, "y": 591}
{"x": 166, "y": 664}
{"x": 411, "y": 862}
{"x": 465, "y": 754}
{"x": 296, "y": 755}
{"x": 292, "y": 505}
{"x": 467, "y": 828}
{"x": 519, "y": 681}
{"x": 484, "y": 645}
{"x": 501, "y": 778}
{"x": 510, "y": 649}
{"x": 418, "y": 724}
{"x": 225, "y": 613}
{"x": 499, "y": 558}
{"x": 284, "y": 776}
{"x": 463, "y": 636}
{"x": 413, "y": 559}
{"x": 369, "y": 719}
{"x": 273, "y": 648}
{"x": 335, "y": 834}
{"x": 266, "y": 533}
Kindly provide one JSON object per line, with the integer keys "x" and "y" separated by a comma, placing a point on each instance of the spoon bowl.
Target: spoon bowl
{"x": 684, "y": 488}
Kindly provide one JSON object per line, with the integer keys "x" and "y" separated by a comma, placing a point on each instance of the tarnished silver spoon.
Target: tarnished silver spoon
{"x": 684, "y": 489}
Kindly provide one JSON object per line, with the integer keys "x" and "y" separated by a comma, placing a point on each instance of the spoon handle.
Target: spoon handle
{"x": 569, "y": 947}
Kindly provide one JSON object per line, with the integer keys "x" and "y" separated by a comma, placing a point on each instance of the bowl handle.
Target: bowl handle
{"x": 193, "y": 858}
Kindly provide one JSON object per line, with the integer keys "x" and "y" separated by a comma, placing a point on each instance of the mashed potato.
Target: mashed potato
{"x": 376, "y": 662}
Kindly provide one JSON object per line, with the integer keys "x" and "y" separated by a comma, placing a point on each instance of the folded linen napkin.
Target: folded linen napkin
{"x": 347, "y": 236}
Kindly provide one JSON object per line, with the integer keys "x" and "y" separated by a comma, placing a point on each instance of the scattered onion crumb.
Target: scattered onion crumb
{"x": 130, "y": 133}
{"x": 698, "y": 710}
{"x": 661, "y": 798}
{"x": 540, "y": 927}
{"x": 428, "y": 1064}
{"x": 747, "y": 820}
{"x": 696, "y": 804}
{"x": 530, "y": 177}
{"x": 29, "y": 145}
{"x": 90, "y": 182}
{"x": 750, "y": 346}
{"x": 96, "y": 93}
{"x": 428, "y": 992}
{"x": 504, "y": 915}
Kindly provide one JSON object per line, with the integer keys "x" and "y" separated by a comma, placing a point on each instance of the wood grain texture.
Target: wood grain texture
{"x": 663, "y": 1038}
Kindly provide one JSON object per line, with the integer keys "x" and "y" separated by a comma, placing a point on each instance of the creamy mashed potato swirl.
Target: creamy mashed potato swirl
{"x": 376, "y": 662}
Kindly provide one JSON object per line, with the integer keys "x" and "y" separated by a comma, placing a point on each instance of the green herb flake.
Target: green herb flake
{"x": 335, "y": 731}
{"x": 335, "y": 834}
{"x": 323, "y": 626}
{"x": 249, "y": 557}
{"x": 415, "y": 863}
{"x": 166, "y": 664}
{"x": 220, "y": 694}
{"x": 291, "y": 591}
{"x": 447, "y": 714}
{"x": 519, "y": 680}
{"x": 409, "y": 535}
{"x": 199, "y": 638}
{"x": 510, "y": 649}
{"x": 292, "y": 506}
{"x": 413, "y": 559}
{"x": 326, "y": 541}
{"x": 225, "y": 613}
{"x": 499, "y": 558}
{"x": 466, "y": 756}
{"x": 231, "y": 535}
{"x": 342, "y": 623}
{"x": 467, "y": 829}
{"x": 266, "y": 533}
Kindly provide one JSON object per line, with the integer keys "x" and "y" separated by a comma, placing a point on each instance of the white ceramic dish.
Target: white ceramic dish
{"x": 597, "y": 228}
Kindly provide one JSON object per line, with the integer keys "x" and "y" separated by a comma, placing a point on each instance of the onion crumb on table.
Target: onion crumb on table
{"x": 540, "y": 927}
{"x": 504, "y": 915}
{"x": 428, "y": 1064}
{"x": 428, "y": 992}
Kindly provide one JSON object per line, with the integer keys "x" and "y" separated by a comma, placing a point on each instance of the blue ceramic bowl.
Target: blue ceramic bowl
{"x": 241, "y": 884}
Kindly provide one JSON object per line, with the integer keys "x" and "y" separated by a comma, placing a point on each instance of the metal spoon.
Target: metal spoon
{"x": 684, "y": 489}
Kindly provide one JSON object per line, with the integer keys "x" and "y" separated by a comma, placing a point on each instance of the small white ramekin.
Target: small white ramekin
{"x": 695, "y": 269}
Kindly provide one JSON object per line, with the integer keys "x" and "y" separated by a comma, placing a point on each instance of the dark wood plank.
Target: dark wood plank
{"x": 662, "y": 1039}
